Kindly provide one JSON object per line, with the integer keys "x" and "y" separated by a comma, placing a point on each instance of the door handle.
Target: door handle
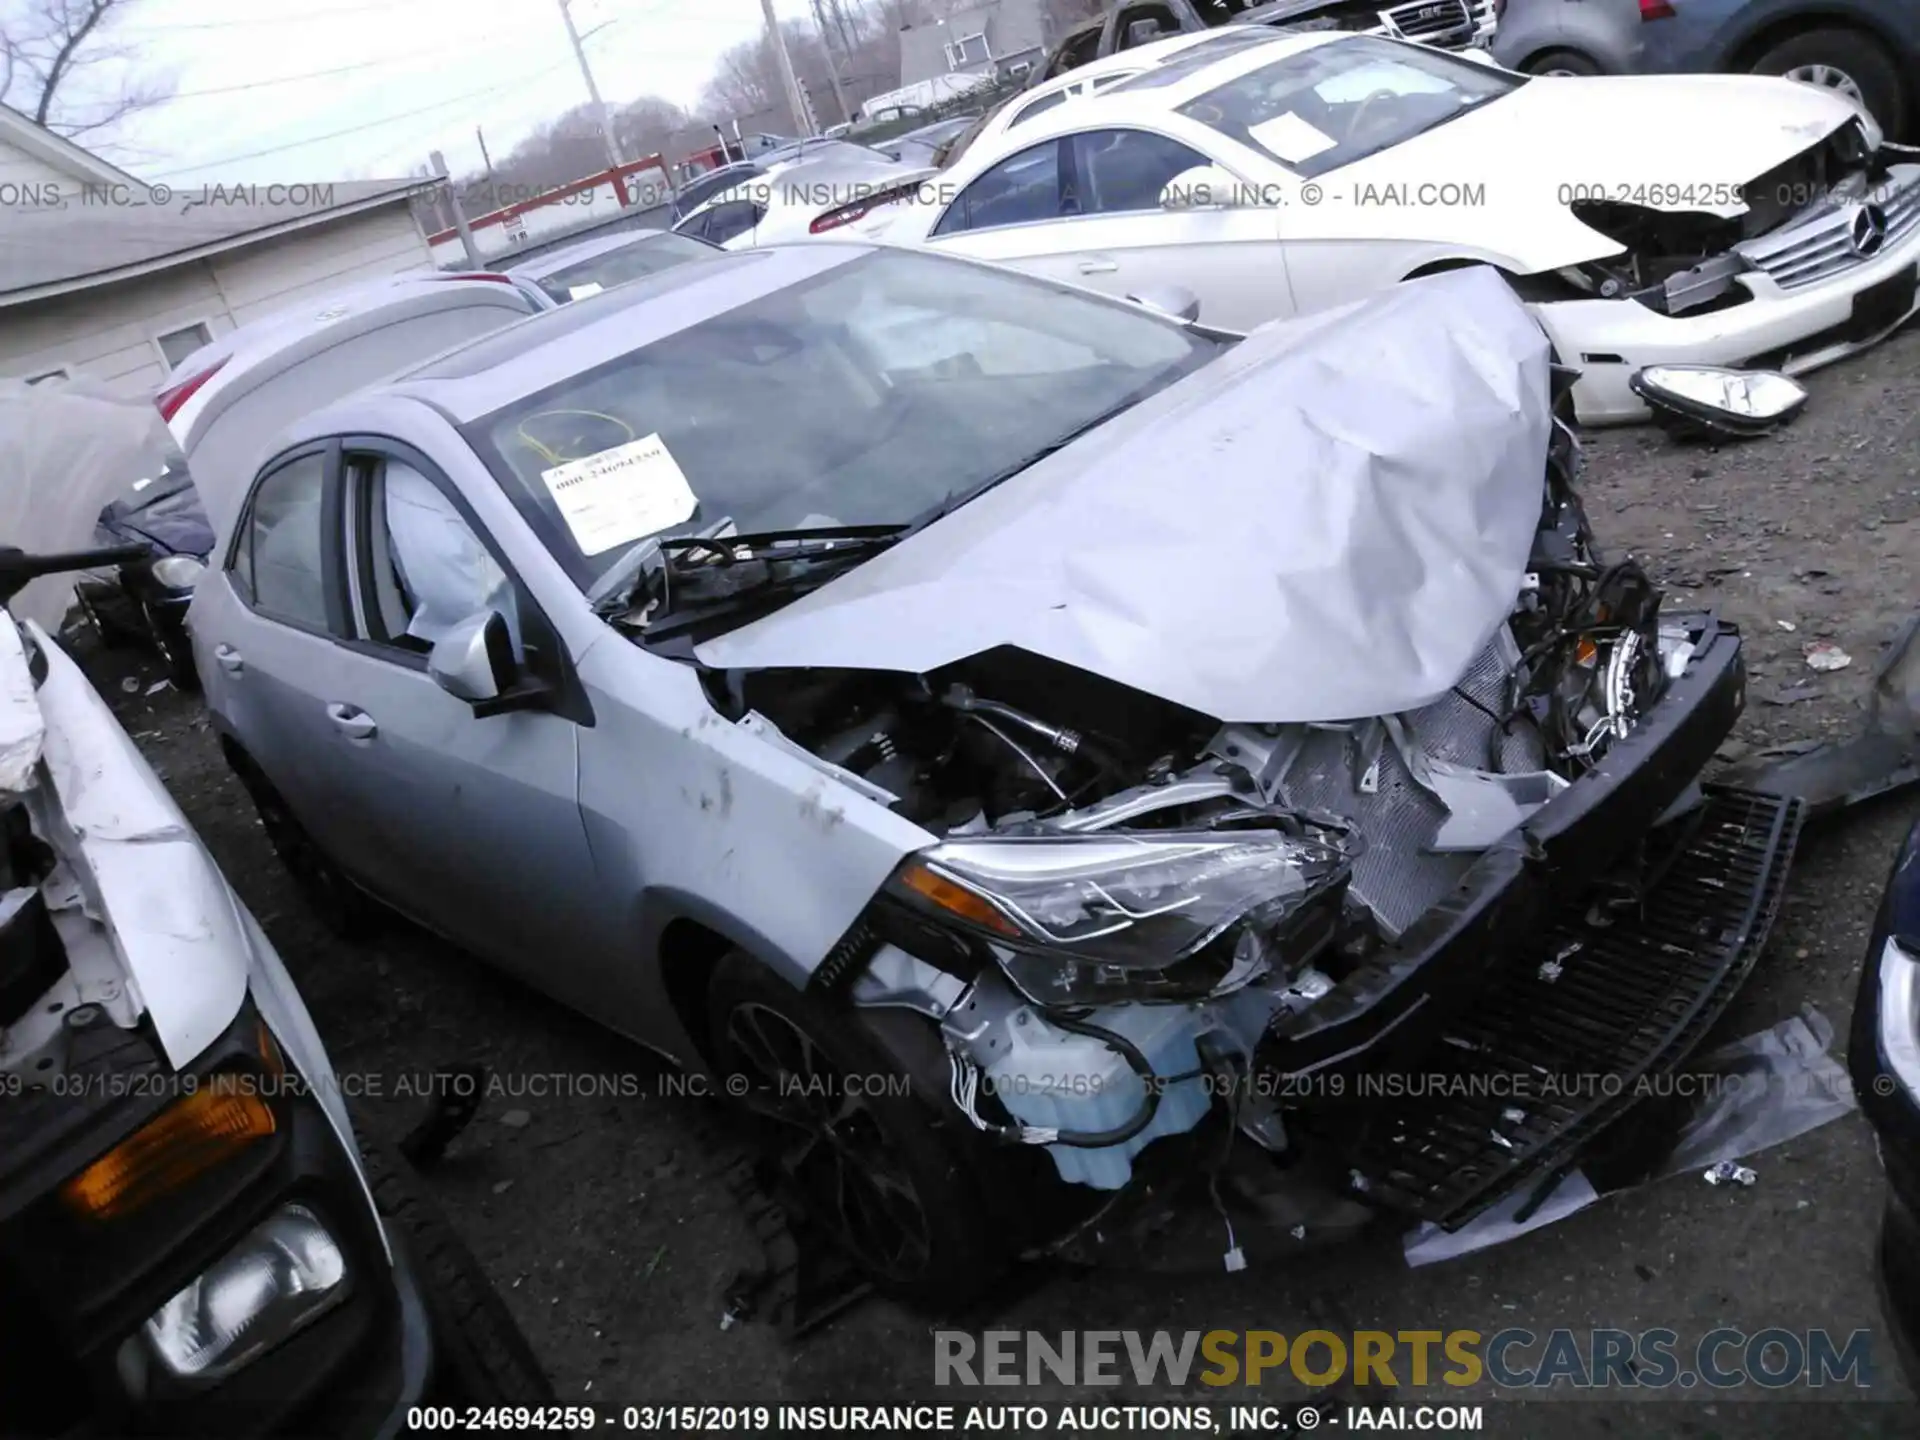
{"x": 352, "y": 721}
{"x": 229, "y": 659}
{"x": 1098, "y": 265}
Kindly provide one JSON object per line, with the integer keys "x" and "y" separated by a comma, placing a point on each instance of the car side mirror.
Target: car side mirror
{"x": 473, "y": 661}
{"x": 1175, "y": 301}
{"x": 1142, "y": 32}
{"x": 1204, "y": 187}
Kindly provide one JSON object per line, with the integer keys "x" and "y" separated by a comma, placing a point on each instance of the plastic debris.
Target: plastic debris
{"x": 1514, "y": 1115}
{"x": 130, "y": 684}
{"x": 1787, "y": 625}
{"x": 515, "y": 1119}
{"x": 1727, "y": 1172}
{"x": 1551, "y": 970}
{"x": 158, "y": 686}
{"x": 1825, "y": 655}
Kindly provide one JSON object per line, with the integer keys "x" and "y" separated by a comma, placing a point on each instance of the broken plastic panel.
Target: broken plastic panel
{"x": 1748, "y": 1096}
{"x": 1717, "y": 400}
{"x": 1884, "y": 756}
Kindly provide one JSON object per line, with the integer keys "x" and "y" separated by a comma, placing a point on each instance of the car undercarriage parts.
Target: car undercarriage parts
{"x": 1883, "y": 757}
{"x": 1717, "y": 400}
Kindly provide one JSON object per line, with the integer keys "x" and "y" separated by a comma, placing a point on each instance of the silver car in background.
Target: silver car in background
{"x": 576, "y": 271}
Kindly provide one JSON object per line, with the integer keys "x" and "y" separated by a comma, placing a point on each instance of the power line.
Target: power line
{"x": 357, "y": 129}
{"x": 297, "y": 16}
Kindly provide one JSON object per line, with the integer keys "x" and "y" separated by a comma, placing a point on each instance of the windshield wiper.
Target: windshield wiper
{"x": 708, "y": 579}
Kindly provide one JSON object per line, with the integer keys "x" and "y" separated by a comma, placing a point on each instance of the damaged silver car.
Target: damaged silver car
{"x": 1067, "y": 759}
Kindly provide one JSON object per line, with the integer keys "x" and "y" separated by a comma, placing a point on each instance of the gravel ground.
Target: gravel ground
{"x": 604, "y": 1218}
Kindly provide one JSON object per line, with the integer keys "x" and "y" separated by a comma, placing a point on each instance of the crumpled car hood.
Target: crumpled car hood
{"x": 1328, "y": 522}
{"x": 1666, "y": 142}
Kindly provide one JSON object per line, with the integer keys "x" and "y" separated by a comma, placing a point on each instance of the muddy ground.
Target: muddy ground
{"x": 605, "y": 1220}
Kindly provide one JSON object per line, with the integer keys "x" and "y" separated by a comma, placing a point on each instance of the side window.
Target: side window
{"x": 736, "y": 217}
{"x": 280, "y": 545}
{"x": 1039, "y": 107}
{"x": 1019, "y": 189}
{"x": 429, "y": 570}
{"x": 1121, "y": 170}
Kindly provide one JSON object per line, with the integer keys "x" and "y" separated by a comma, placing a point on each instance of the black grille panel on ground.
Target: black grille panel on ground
{"x": 1551, "y": 1051}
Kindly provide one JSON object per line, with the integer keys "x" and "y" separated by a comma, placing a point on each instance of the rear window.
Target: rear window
{"x": 629, "y": 262}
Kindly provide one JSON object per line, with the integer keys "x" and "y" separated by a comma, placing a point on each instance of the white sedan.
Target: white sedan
{"x": 1711, "y": 219}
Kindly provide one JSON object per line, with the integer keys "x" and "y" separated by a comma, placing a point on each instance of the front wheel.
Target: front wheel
{"x": 1847, "y": 63}
{"x": 869, "y": 1162}
{"x": 1563, "y": 62}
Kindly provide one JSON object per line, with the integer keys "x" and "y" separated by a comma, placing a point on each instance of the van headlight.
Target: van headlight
{"x": 1111, "y": 915}
{"x": 1900, "y": 1015}
{"x": 178, "y": 572}
{"x": 287, "y": 1272}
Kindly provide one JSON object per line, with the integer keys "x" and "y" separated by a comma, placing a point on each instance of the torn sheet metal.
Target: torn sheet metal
{"x": 172, "y": 918}
{"x": 1329, "y": 522}
{"x": 68, "y": 448}
{"x": 1755, "y": 1093}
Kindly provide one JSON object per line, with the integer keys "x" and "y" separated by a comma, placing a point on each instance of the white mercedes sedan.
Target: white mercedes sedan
{"x": 1734, "y": 220}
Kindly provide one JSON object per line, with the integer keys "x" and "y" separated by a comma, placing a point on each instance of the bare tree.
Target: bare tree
{"x": 60, "y": 64}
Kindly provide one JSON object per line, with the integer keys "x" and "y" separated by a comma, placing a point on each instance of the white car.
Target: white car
{"x": 1097, "y": 75}
{"x": 810, "y": 197}
{"x": 1712, "y": 219}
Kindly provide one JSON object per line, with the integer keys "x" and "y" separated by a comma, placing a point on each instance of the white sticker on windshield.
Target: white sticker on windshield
{"x": 1291, "y": 138}
{"x": 581, "y": 292}
{"x": 621, "y": 495}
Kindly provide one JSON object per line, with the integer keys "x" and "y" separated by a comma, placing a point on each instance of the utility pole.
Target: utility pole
{"x": 593, "y": 90}
{"x": 459, "y": 215}
{"x": 485, "y": 158}
{"x": 791, "y": 81}
{"x": 833, "y": 70}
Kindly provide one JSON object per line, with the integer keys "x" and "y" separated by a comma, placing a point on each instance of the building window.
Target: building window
{"x": 177, "y": 345}
{"x": 967, "y": 50}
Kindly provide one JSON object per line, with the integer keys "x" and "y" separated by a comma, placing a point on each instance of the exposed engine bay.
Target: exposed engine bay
{"x": 1680, "y": 259}
{"x": 1251, "y": 867}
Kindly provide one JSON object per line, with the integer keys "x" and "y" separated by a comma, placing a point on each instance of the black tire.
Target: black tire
{"x": 908, "y": 1163}
{"x": 1563, "y": 62}
{"x": 482, "y": 1357}
{"x": 175, "y": 649}
{"x": 336, "y": 901}
{"x": 1859, "y": 57}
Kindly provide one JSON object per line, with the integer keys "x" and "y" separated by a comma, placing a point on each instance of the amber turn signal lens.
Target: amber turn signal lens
{"x": 188, "y": 1138}
{"x": 955, "y": 899}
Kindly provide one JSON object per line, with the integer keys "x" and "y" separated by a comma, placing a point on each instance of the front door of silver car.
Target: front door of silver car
{"x": 458, "y": 812}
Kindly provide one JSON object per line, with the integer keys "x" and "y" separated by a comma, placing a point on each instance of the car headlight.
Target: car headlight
{"x": 1900, "y": 1014}
{"x": 178, "y": 572}
{"x": 1122, "y": 913}
{"x": 286, "y": 1272}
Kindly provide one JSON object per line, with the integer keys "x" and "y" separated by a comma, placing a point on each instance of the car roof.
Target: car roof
{"x": 541, "y": 266}
{"x": 545, "y": 349}
{"x": 386, "y": 295}
{"x": 1121, "y": 103}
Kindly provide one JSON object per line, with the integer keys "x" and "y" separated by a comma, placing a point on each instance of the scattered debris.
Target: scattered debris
{"x": 158, "y": 686}
{"x": 654, "y": 1264}
{"x": 500, "y": 1187}
{"x": 516, "y": 1119}
{"x": 1787, "y": 625}
{"x": 131, "y": 684}
{"x": 1825, "y": 655}
{"x": 1729, "y": 1172}
{"x": 1514, "y": 1115}
{"x": 1551, "y": 970}
{"x": 1792, "y": 694}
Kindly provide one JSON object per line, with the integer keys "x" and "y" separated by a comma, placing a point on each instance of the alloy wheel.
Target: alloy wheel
{"x": 1829, "y": 77}
{"x": 834, "y": 1152}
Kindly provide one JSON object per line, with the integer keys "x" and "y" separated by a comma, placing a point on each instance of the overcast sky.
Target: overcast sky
{"x": 411, "y": 76}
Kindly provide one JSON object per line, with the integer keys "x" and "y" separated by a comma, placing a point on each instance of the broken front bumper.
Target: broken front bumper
{"x": 1794, "y": 330}
{"x": 1506, "y": 983}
